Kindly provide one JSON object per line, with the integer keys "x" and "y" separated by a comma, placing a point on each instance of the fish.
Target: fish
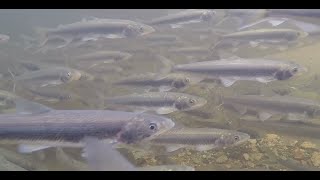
{"x": 193, "y": 51}
{"x": 310, "y": 28}
{"x": 4, "y": 38}
{"x": 239, "y": 17}
{"x": 179, "y": 19}
{"x": 160, "y": 102}
{"x": 161, "y": 82}
{"x": 258, "y": 36}
{"x": 52, "y": 77}
{"x": 200, "y": 139}
{"x": 294, "y": 108}
{"x": 313, "y": 13}
{"x": 161, "y": 38}
{"x": 94, "y": 29}
{"x": 36, "y": 127}
{"x": 235, "y": 68}
{"x": 102, "y": 57}
{"x": 51, "y": 94}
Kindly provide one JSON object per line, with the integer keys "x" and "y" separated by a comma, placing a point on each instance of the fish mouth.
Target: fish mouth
{"x": 201, "y": 102}
{"x": 244, "y": 138}
{"x": 76, "y": 76}
{"x": 303, "y": 34}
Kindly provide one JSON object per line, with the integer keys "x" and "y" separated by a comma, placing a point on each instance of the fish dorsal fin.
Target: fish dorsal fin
{"x": 24, "y": 106}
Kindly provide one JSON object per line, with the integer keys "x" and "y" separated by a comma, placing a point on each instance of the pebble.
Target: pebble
{"x": 271, "y": 139}
{"x": 246, "y": 156}
{"x": 315, "y": 159}
{"x": 307, "y": 145}
{"x": 298, "y": 154}
{"x": 222, "y": 159}
{"x": 256, "y": 156}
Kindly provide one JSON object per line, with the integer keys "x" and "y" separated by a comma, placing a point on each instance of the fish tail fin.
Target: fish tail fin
{"x": 13, "y": 80}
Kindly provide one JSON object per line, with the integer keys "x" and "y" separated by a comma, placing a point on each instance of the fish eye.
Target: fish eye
{"x": 236, "y": 138}
{"x": 295, "y": 69}
{"x": 187, "y": 80}
{"x": 191, "y": 101}
{"x": 152, "y": 126}
{"x": 69, "y": 74}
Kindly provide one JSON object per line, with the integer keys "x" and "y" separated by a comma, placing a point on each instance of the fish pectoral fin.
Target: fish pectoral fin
{"x": 27, "y": 107}
{"x": 227, "y": 82}
{"x": 276, "y": 22}
{"x": 264, "y": 80}
{"x": 26, "y": 148}
{"x": 204, "y": 147}
{"x": 107, "y": 61}
{"x": 296, "y": 117}
{"x": 165, "y": 110}
{"x": 254, "y": 43}
{"x": 282, "y": 48}
{"x": 176, "y": 26}
{"x": 264, "y": 116}
{"x": 172, "y": 148}
{"x": 102, "y": 156}
{"x": 164, "y": 88}
{"x": 263, "y": 47}
{"x": 241, "y": 109}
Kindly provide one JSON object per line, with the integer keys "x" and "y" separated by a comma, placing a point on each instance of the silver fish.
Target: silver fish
{"x": 162, "y": 82}
{"x": 100, "y": 57}
{"x": 259, "y": 36}
{"x": 200, "y": 139}
{"x": 37, "y": 127}
{"x": 51, "y": 94}
{"x": 161, "y": 38}
{"x": 184, "y": 17}
{"x": 191, "y": 51}
{"x": 160, "y": 102}
{"x": 52, "y": 77}
{"x": 315, "y": 13}
{"x": 233, "y": 69}
{"x": 95, "y": 28}
{"x": 295, "y": 108}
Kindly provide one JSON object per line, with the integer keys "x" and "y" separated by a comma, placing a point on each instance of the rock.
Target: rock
{"x": 252, "y": 141}
{"x": 256, "y": 156}
{"x": 246, "y": 156}
{"x": 307, "y": 145}
{"x": 222, "y": 159}
{"x": 315, "y": 159}
{"x": 271, "y": 139}
{"x": 293, "y": 143}
{"x": 250, "y": 164}
{"x": 298, "y": 154}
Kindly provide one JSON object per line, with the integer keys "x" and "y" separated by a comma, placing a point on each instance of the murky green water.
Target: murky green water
{"x": 272, "y": 146}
